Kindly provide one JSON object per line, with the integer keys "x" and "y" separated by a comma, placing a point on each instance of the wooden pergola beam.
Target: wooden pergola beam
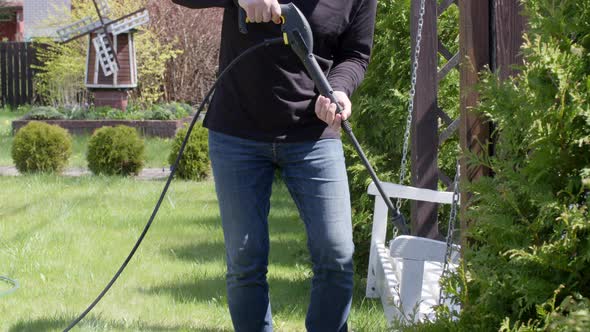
{"x": 491, "y": 35}
{"x": 425, "y": 122}
{"x": 509, "y": 26}
{"x": 475, "y": 40}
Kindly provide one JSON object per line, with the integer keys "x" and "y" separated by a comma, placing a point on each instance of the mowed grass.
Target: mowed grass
{"x": 156, "y": 149}
{"x": 63, "y": 239}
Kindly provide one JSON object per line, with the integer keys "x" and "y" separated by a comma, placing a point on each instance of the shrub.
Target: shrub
{"x": 168, "y": 111}
{"x": 39, "y": 147}
{"x": 180, "y": 110}
{"x": 106, "y": 112}
{"x": 528, "y": 247}
{"x": 194, "y": 164}
{"x": 44, "y": 113}
{"x": 115, "y": 151}
{"x": 26, "y": 108}
{"x": 159, "y": 113}
{"x": 190, "y": 73}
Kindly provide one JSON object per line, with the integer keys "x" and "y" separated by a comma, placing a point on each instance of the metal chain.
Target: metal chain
{"x": 451, "y": 228}
{"x": 404, "y": 162}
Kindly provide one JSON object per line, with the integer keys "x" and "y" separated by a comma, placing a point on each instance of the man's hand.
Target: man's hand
{"x": 262, "y": 10}
{"x": 326, "y": 111}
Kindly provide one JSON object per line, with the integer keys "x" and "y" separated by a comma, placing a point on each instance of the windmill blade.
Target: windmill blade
{"x": 138, "y": 18}
{"x": 77, "y": 29}
{"x": 105, "y": 54}
{"x": 103, "y": 7}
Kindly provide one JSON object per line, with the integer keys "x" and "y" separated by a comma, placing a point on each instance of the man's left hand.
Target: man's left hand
{"x": 326, "y": 111}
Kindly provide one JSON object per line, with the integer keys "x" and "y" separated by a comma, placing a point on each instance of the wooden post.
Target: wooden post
{"x": 425, "y": 122}
{"x": 475, "y": 54}
{"x": 509, "y": 26}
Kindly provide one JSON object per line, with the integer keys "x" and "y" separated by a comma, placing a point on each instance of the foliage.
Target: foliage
{"x": 194, "y": 164}
{"x": 39, "y": 147}
{"x": 44, "y": 113}
{"x": 170, "y": 111}
{"x": 380, "y": 109}
{"x": 115, "y": 151}
{"x": 60, "y": 78}
{"x": 527, "y": 262}
{"x": 573, "y": 314}
{"x": 153, "y": 55}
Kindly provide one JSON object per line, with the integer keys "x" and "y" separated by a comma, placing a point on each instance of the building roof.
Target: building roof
{"x": 11, "y": 4}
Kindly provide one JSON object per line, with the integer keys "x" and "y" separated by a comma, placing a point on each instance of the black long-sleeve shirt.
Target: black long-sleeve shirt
{"x": 269, "y": 96}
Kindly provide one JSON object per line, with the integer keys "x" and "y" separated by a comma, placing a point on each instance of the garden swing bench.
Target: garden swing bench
{"x": 405, "y": 275}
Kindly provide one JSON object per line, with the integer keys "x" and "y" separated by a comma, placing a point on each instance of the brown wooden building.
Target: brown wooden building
{"x": 11, "y": 21}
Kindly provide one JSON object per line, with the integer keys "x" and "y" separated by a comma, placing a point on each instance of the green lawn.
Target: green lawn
{"x": 156, "y": 149}
{"x": 63, "y": 238}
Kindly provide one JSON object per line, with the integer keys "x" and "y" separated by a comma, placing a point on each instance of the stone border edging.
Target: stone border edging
{"x": 158, "y": 128}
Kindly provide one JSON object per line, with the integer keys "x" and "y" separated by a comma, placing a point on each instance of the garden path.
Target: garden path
{"x": 145, "y": 174}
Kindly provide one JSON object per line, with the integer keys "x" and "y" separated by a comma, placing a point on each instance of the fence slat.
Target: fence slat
{"x": 10, "y": 71}
{"x": 24, "y": 71}
{"x": 3, "y": 73}
{"x": 31, "y": 60}
{"x": 16, "y": 62}
{"x": 16, "y": 74}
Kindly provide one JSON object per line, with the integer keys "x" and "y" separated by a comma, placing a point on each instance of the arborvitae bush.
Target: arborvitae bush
{"x": 39, "y": 147}
{"x": 527, "y": 259}
{"x": 116, "y": 151}
{"x": 194, "y": 164}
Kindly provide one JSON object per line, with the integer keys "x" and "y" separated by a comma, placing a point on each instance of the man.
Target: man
{"x": 265, "y": 116}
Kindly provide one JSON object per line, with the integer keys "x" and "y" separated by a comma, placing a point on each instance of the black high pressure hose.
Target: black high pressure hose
{"x": 269, "y": 42}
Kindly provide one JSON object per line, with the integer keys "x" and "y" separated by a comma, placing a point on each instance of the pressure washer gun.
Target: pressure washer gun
{"x": 298, "y": 35}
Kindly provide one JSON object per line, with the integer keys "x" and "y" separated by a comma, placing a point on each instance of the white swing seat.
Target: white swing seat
{"x": 406, "y": 275}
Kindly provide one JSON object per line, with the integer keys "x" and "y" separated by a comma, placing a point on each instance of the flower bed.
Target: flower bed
{"x": 160, "y": 121}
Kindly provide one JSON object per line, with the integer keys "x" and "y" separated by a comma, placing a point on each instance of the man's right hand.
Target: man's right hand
{"x": 259, "y": 11}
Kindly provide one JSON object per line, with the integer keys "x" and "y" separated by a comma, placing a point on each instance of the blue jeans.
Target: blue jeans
{"x": 315, "y": 175}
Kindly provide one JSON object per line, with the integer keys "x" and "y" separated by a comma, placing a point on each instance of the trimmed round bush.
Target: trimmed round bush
{"x": 115, "y": 151}
{"x": 194, "y": 164}
{"x": 40, "y": 147}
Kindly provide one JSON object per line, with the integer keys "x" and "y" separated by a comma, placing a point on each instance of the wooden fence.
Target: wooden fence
{"x": 16, "y": 73}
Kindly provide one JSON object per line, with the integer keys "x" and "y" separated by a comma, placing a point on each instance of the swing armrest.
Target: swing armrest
{"x": 394, "y": 190}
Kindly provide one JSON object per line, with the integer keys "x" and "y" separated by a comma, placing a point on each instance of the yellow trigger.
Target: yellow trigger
{"x": 285, "y": 37}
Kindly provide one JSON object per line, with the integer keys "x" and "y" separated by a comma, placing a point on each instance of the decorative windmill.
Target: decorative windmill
{"x": 111, "y": 67}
